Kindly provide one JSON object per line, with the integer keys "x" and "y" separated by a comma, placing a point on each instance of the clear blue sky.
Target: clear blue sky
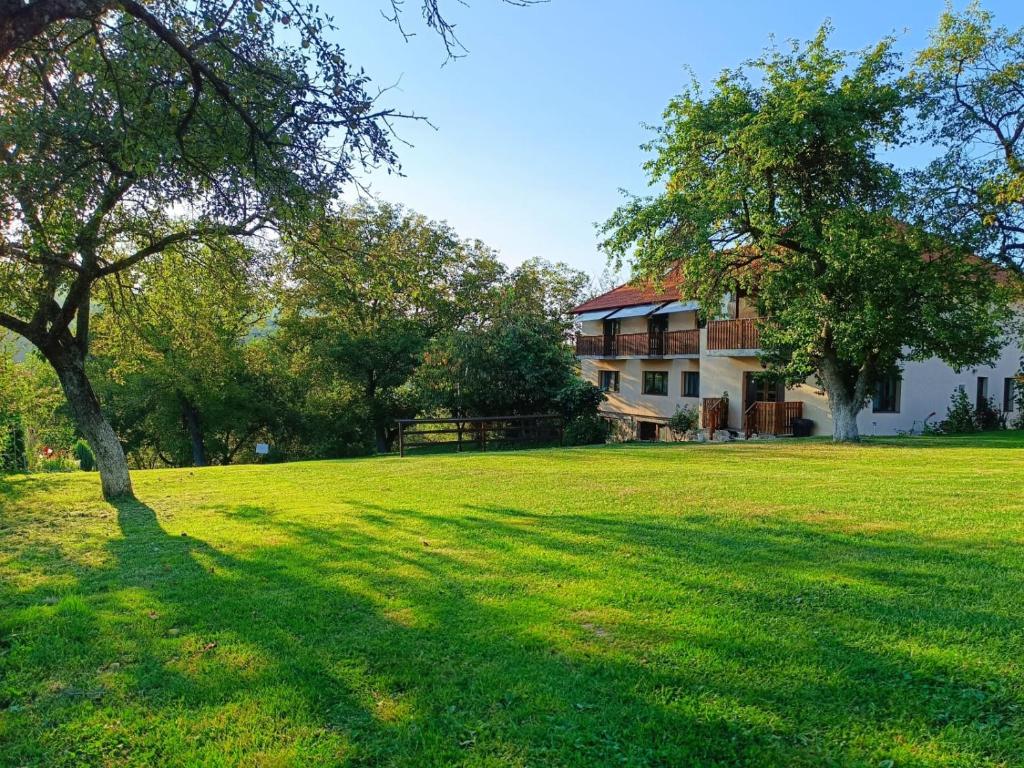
{"x": 539, "y": 126}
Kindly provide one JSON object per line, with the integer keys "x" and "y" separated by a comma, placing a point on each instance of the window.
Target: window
{"x": 612, "y": 327}
{"x": 648, "y": 430}
{"x": 887, "y": 395}
{"x": 691, "y": 383}
{"x": 655, "y": 382}
{"x": 608, "y": 381}
{"x": 1009, "y": 395}
{"x": 982, "y": 399}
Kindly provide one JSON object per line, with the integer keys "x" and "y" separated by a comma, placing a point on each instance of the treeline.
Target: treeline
{"x": 314, "y": 343}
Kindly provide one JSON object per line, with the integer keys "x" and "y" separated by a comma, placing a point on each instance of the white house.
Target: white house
{"x": 647, "y": 350}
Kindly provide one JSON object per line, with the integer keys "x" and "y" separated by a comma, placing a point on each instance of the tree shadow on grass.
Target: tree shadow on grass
{"x": 498, "y": 635}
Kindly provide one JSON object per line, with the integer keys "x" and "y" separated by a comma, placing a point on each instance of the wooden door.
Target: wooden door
{"x": 758, "y": 388}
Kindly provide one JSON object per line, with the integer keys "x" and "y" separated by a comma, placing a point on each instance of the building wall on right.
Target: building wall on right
{"x": 927, "y": 387}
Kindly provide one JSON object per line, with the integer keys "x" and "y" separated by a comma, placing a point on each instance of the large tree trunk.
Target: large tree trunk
{"x": 845, "y": 400}
{"x": 85, "y": 409}
{"x": 195, "y": 432}
{"x": 844, "y": 417}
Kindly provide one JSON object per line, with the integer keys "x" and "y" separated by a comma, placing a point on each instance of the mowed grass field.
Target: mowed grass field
{"x": 775, "y": 604}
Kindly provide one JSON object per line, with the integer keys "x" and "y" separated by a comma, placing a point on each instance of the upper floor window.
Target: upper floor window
{"x": 691, "y": 383}
{"x": 887, "y": 395}
{"x": 612, "y": 327}
{"x": 608, "y": 381}
{"x": 655, "y": 382}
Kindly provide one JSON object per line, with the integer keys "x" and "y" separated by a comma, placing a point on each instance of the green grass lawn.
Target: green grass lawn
{"x": 774, "y": 604}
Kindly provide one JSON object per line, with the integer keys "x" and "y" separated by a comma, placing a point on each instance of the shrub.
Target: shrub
{"x": 589, "y": 429}
{"x": 987, "y": 416}
{"x": 1017, "y": 403}
{"x": 578, "y": 402}
{"x": 579, "y": 398}
{"x": 962, "y": 417}
{"x": 13, "y": 457}
{"x": 56, "y": 462}
{"x": 959, "y": 415}
{"x": 685, "y": 419}
{"x": 86, "y": 458}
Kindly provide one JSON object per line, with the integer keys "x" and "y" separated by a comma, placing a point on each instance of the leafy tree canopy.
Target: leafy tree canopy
{"x": 367, "y": 289}
{"x": 174, "y": 360}
{"x": 128, "y": 128}
{"x": 969, "y": 84}
{"x": 511, "y": 357}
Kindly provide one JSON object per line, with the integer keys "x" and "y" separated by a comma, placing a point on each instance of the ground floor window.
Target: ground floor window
{"x": 655, "y": 382}
{"x": 608, "y": 381}
{"x": 691, "y": 383}
{"x": 1009, "y": 394}
{"x": 887, "y": 395}
{"x": 648, "y": 430}
{"x": 982, "y": 399}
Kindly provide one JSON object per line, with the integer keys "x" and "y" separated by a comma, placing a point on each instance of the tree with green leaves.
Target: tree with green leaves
{"x": 969, "y": 85}
{"x": 94, "y": 175}
{"x": 512, "y": 366}
{"x": 173, "y": 353}
{"x": 511, "y": 356}
{"x": 774, "y": 183}
{"x": 128, "y": 128}
{"x": 367, "y": 288}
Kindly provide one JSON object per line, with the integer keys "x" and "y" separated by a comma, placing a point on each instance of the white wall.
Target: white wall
{"x": 927, "y": 387}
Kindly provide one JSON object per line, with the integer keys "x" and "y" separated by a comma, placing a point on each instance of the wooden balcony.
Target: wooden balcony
{"x": 733, "y": 334}
{"x": 657, "y": 344}
{"x": 764, "y": 418}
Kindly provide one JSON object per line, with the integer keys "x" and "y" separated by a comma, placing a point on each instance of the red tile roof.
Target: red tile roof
{"x": 646, "y": 292}
{"x": 634, "y": 293}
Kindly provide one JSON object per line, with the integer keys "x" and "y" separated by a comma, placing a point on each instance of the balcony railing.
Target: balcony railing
{"x": 733, "y": 334}
{"x": 655, "y": 344}
{"x": 764, "y": 418}
{"x": 714, "y": 414}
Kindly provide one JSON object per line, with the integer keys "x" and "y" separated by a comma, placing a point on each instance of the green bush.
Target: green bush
{"x": 578, "y": 402}
{"x": 962, "y": 417}
{"x": 57, "y": 463}
{"x": 987, "y": 416}
{"x": 578, "y": 399}
{"x": 1017, "y": 403}
{"x": 685, "y": 419}
{"x": 13, "y": 457}
{"x": 960, "y": 414}
{"x": 86, "y": 458}
{"x": 589, "y": 429}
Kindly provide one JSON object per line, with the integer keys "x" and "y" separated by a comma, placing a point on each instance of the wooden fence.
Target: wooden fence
{"x": 714, "y": 414}
{"x": 479, "y": 433}
{"x": 764, "y": 418}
